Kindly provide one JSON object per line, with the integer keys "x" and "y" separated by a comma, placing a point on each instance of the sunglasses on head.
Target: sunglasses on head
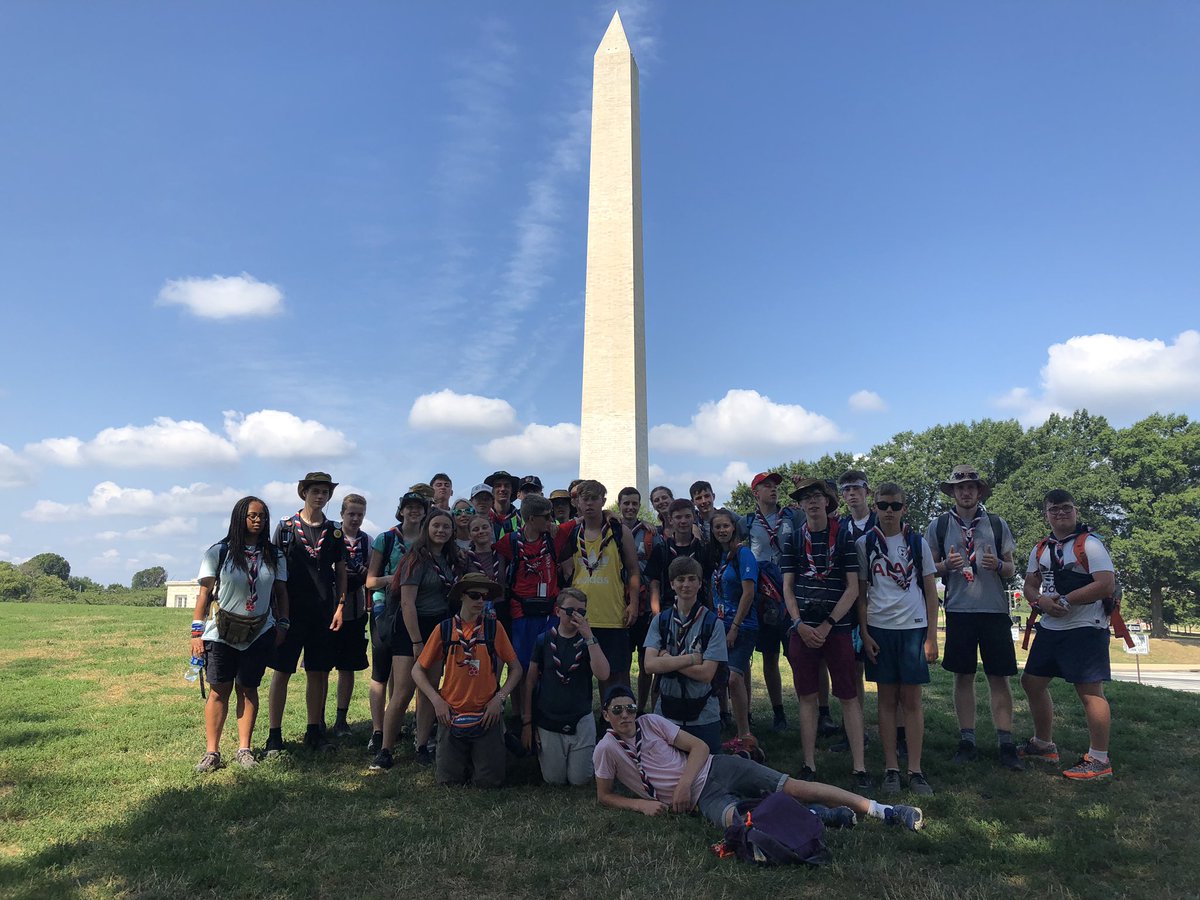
{"x": 895, "y": 505}
{"x": 621, "y": 709}
{"x": 476, "y": 595}
{"x": 965, "y": 476}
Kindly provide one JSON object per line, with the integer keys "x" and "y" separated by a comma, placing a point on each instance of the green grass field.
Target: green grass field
{"x": 99, "y": 733}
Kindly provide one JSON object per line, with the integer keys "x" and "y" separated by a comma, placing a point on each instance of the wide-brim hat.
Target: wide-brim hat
{"x": 501, "y": 475}
{"x": 803, "y": 484}
{"x": 477, "y": 581}
{"x": 315, "y": 478}
{"x": 559, "y": 494}
{"x": 965, "y": 475}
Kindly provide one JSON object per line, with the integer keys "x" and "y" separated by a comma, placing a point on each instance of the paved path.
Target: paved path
{"x": 1176, "y": 679}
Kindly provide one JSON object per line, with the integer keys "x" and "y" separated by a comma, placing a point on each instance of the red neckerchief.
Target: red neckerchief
{"x": 635, "y": 756}
{"x": 313, "y": 552}
{"x": 830, "y": 549}
{"x": 900, "y": 572}
{"x": 968, "y": 532}
{"x": 457, "y": 636}
{"x": 354, "y": 548}
{"x": 565, "y": 677}
{"x": 495, "y": 566}
{"x": 727, "y": 560}
{"x": 532, "y": 561}
{"x": 772, "y": 533}
{"x": 681, "y": 627}
{"x": 253, "y": 560}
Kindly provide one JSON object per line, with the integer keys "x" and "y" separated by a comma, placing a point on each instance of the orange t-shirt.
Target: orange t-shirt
{"x": 467, "y": 688}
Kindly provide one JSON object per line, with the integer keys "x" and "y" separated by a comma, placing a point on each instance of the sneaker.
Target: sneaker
{"x": 317, "y": 742}
{"x": 910, "y": 817}
{"x": 966, "y": 752}
{"x": 376, "y": 741}
{"x": 807, "y": 774}
{"x": 891, "y": 782}
{"x": 826, "y": 727}
{"x": 209, "y": 762}
{"x": 424, "y": 756}
{"x": 780, "y": 724}
{"x": 341, "y": 730}
{"x": 919, "y": 785}
{"x": 273, "y": 748}
{"x": 1087, "y": 769}
{"x": 1047, "y": 753}
{"x": 1010, "y": 759}
{"x": 835, "y": 816}
{"x": 862, "y": 781}
{"x": 382, "y": 761}
{"x": 245, "y": 758}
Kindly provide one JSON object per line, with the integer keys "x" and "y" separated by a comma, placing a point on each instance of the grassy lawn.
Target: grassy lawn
{"x": 99, "y": 733}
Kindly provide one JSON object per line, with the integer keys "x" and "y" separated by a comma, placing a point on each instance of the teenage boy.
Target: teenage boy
{"x": 530, "y": 484}
{"x": 1069, "y": 580}
{"x": 820, "y": 587}
{"x": 668, "y": 770}
{"x": 483, "y": 499}
{"x": 702, "y": 498}
{"x": 973, "y": 550}
{"x": 605, "y": 566}
{"x": 470, "y": 702}
{"x": 661, "y": 498}
{"x": 503, "y": 514}
{"x": 897, "y": 615}
{"x": 351, "y": 639}
{"x": 560, "y": 502}
{"x": 685, "y": 646}
{"x": 316, "y": 565}
{"x": 564, "y": 660}
{"x": 645, "y": 539}
{"x": 443, "y": 490}
{"x": 680, "y": 541}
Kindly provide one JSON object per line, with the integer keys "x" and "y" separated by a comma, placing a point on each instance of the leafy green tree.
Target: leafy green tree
{"x": 154, "y": 577}
{"x": 15, "y": 585}
{"x": 47, "y": 564}
{"x": 50, "y": 589}
{"x": 81, "y": 584}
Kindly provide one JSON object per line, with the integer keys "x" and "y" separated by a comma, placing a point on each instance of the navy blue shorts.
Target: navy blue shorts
{"x": 742, "y": 650}
{"x": 1076, "y": 655}
{"x": 901, "y": 658}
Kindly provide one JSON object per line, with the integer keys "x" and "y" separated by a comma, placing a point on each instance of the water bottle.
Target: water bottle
{"x": 192, "y": 670}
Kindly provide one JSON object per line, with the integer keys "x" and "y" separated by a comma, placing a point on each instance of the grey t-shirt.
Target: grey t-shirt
{"x": 683, "y": 686}
{"x": 233, "y": 592}
{"x": 431, "y": 590}
{"x": 986, "y": 593}
{"x": 761, "y": 545}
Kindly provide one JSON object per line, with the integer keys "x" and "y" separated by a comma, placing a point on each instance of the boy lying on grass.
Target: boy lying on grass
{"x": 668, "y": 769}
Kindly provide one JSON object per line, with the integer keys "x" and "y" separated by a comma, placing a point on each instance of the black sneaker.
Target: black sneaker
{"x": 965, "y": 753}
{"x": 909, "y": 817}
{"x": 826, "y": 727}
{"x": 272, "y": 748}
{"x": 1009, "y": 758}
{"x": 382, "y": 761}
{"x": 862, "y": 781}
{"x": 834, "y": 816}
{"x": 919, "y": 785}
{"x": 780, "y": 724}
{"x": 376, "y": 741}
{"x": 424, "y": 756}
{"x": 341, "y": 730}
{"x": 807, "y": 774}
{"x": 318, "y": 743}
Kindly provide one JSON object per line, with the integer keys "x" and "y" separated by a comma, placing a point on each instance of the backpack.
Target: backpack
{"x": 644, "y": 588}
{"x": 943, "y": 527}
{"x": 516, "y": 540}
{"x": 775, "y": 831}
{"x": 1112, "y": 605}
{"x": 874, "y": 548}
{"x": 685, "y": 709}
{"x": 768, "y": 596}
{"x": 489, "y": 641}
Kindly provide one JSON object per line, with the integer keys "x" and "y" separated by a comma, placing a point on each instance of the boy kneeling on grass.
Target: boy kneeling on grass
{"x": 898, "y": 610}
{"x": 569, "y": 655}
{"x": 471, "y": 700}
{"x": 668, "y": 769}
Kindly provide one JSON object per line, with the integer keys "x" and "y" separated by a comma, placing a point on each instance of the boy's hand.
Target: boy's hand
{"x": 442, "y": 710}
{"x": 810, "y": 636}
{"x": 527, "y": 736}
{"x": 493, "y": 711}
{"x": 954, "y": 559}
{"x": 681, "y": 800}
{"x": 651, "y": 807}
{"x": 870, "y": 646}
{"x": 990, "y": 560}
{"x": 585, "y": 629}
{"x": 931, "y": 650}
{"x": 336, "y": 624}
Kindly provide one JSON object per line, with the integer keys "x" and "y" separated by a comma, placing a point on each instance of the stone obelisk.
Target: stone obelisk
{"x": 612, "y": 445}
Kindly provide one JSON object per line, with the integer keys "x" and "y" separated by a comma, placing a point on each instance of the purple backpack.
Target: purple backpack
{"x": 777, "y": 830}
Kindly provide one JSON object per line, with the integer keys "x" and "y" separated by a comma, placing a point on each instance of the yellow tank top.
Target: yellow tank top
{"x": 600, "y": 579}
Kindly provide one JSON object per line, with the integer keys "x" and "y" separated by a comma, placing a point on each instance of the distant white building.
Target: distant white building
{"x": 182, "y": 594}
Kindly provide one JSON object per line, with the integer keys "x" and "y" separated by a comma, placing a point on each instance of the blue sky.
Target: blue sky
{"x": 859, "y": 218}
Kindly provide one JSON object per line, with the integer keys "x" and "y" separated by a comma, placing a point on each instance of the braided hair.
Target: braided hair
{"x": 239, "y": 535}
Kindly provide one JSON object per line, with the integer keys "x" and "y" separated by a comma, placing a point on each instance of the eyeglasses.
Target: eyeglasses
{"x": 574, "y": 610}
{"x": 965, "y": 476}
{"x": 476, "y": 595}
{"x": 895, "y": 505}
{"x": 623, "y": 709}
{"x": 1061, "y": 510}
{"x": 808, "y": 495}
{"x": 255, "y": 517}
{"x": 465, "y": 511}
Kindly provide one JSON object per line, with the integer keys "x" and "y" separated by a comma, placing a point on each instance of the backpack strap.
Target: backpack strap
{"x": 1080, "y": 549}
{"x": 389, "y": 543}
{"x": 918, "y": 558}
{"x": 447, "y": 631}
{"x": 997, "y": 534}
{"x": 222, "y": 555}
{"x": 943, "y": 528}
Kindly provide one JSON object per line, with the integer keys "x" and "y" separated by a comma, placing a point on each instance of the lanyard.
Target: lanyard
{"x": 253, "y": 560}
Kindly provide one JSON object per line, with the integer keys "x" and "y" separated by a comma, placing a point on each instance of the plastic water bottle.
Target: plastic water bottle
{"x": 192, "y": 670}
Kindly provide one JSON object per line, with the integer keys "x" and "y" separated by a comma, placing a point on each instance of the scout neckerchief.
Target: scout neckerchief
{"x": 683, "y": 627}
{"x": 457, "y": 636}
{"x": 635, "y": 756}
{"x": 900, "y": 572}
{"x": 592, "y": 563}
{"x": 445, "y": 578}
{"x": 356, "y": 553}
{"x": 253, "y": 560}
{"x": 532, "y": 561}
{"x": 301, "y": 532}
{"x": 830, "y": 550}
{"x": 577, "y": 645}
{"x": 727, "y": 560}
{"x": 968, "y": 532}
{"x": 772, "y": 533}
{"x": 479, "y": 567}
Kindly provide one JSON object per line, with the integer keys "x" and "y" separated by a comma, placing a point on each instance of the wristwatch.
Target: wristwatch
{"x": 831, "y": 621}
{"x": 591, "y": 642}
{"x": 283, "y": 622}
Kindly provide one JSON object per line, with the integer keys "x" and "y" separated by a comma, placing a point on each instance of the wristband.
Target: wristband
{"x": 591, "y": 642}
{"x": 283, "y": 622}
{"x": 830, "y": 620}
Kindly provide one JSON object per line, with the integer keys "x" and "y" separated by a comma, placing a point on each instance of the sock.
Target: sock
{"x": 1039, "y": 744}
{"x": 1003, "y": 737}
{"x": 312, "y": 729}
{"x": 240, "y": 749}
{"x": 275, "y": 734}
{"x": 966, "y": 734}
{"x": 1098, "y": 755}
{"x": 341, "y": 714}
{"x": 823, "y": 711}
{"x": 778, "y": 710}
{"x": 900, "y": 735}
{"x": 878, "y": 810}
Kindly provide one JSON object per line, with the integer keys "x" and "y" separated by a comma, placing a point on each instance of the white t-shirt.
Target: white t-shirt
{"x": 888, "y": 604}
{"x": 1087, "y": 615}
{"x": 234, "y": 591}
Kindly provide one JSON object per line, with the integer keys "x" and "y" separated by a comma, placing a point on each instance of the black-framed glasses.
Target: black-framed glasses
{"x": 476, "y": 595}
{"x": 255, "y": 517}
{"x": 1061, "y": 509}
{"x": 623, "y": 709}
{"x": 894, "y": 505}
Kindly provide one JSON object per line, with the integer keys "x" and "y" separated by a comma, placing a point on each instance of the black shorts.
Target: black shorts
{"x": 1076, "y": 655}
{"x": 309, "y": 635}
{"x": 771, "y": 640}
{"x": 637, "y": 636}
{"x": 350, "y": 646}
{"x": 226, "y": 663}
{"x": 986, "y": 636}
{"x": 426, "y": 625}
{"x": 614, "y": 643}
{"x": 381, "y": 656}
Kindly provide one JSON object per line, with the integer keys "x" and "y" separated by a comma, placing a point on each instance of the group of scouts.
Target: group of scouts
{"x": 554, "y": 591}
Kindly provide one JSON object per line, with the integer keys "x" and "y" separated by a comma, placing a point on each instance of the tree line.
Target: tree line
{"x": 1138, "y": 486}
{"x": 47, "y": 578}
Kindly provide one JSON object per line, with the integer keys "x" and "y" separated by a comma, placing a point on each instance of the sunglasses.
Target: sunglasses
{"x": 575, "y": 610}
{"x": 622, "y": 709}
{"x": 476, "y": 595}
{"x": 465, "y": 511}
{"x": 965, "y": 476}
{"x": 895, "y": 505}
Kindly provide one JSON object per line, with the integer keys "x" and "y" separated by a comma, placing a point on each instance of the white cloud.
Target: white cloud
{"x": 1120, "y": 377}
{"x": 723, "y": 482}
{"x": 223, "y": 297}
{"x": 14, "y": 470}
{"x": 866, "y": 401}
{"x": 467, "y": 413}
{"x": 110, "y": 499}
{"x": 174, "y": 526}
{"x": 274, "y": 434}
{"x": 746, "y": 423}
{"x": 165, "y": 443}
{"x": 537, "y": 447}
{"x": 283, "y": 500}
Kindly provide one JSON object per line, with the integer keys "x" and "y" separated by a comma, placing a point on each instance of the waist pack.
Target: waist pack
{"x": 777, "y": 830}
{"x": 537, "y": 606}
{"x": 235, "y": 629}
{"x": 683, "y": 709}
{"x": 467, "y": 726}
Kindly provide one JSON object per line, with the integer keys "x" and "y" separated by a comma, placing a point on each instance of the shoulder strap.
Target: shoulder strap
{"x": 918, "y": 558}
{"x": 489, "y": 641}
{"x": 997, "y": 532}
{"x": 872, "y": 548}
{"x": 943, "y": 526}
{"x": 222, "y": 555}
{"x": 447, "y": 630}
{"x": 1081, "y": 551}
{"x": 389, "y": 542}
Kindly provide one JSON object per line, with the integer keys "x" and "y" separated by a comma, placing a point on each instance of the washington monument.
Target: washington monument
{"x": 612, "y": 445}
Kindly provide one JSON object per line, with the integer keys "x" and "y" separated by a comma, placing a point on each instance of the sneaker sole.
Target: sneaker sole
{"x": 1052, "y": 760}
{"x": 1090, "y": 776}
